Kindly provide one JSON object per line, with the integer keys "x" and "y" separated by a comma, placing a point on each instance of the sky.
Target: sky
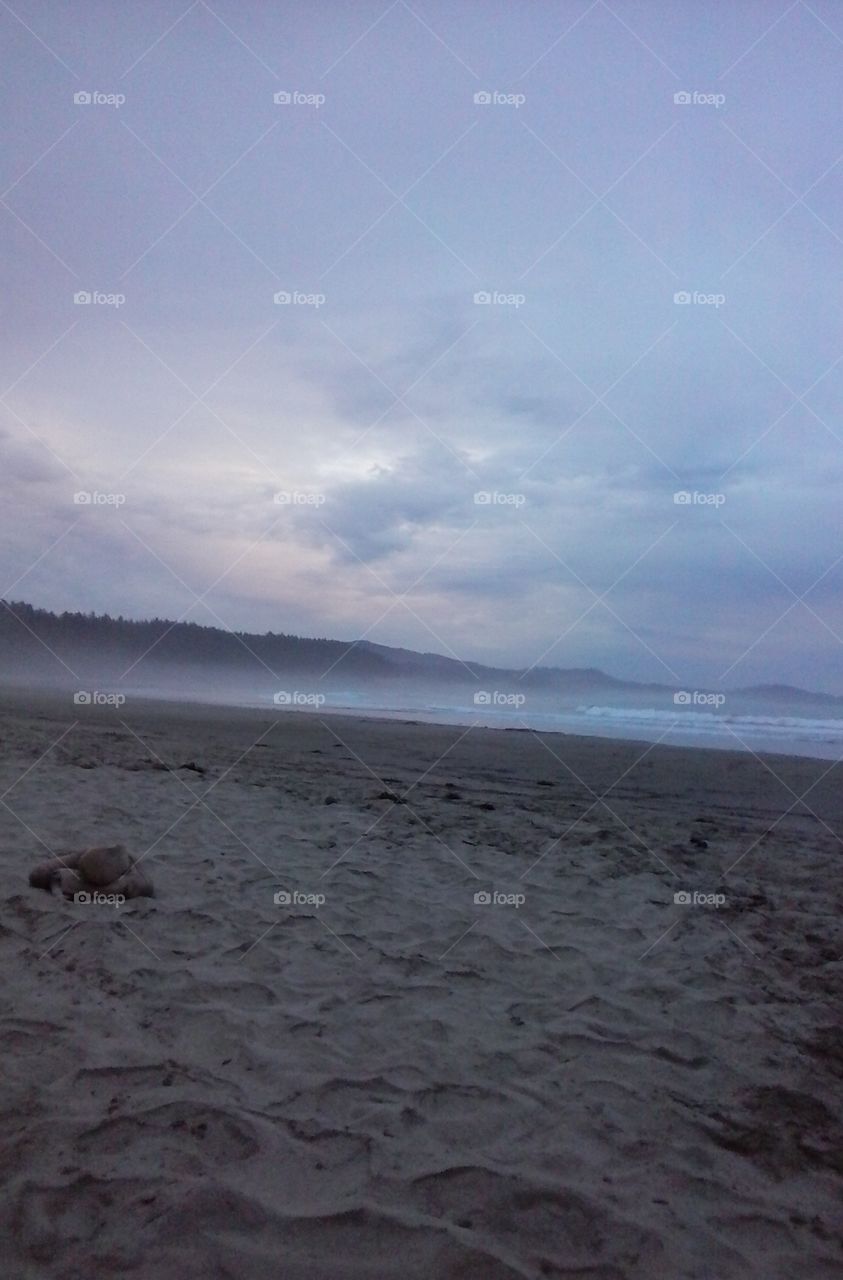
{"x": 506, "y": 331}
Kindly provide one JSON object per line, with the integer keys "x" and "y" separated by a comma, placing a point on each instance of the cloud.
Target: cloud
{"x": 397, "y": 400}
{"x": 26, "y": 461}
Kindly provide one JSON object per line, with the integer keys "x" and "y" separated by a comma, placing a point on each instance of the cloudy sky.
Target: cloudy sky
{"x": 411, "y": 321}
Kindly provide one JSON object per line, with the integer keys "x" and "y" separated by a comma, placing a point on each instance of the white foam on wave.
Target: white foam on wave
{"x": 706, "y": 722}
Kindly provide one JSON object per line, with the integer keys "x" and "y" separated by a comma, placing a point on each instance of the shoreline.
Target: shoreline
{"x": 57, "y": 700}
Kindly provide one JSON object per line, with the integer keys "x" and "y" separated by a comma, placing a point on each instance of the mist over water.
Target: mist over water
{"x": 744, "y": 721}
{"x": 100, "y": 661}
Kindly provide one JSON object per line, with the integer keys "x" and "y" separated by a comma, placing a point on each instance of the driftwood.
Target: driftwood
{"x": 102, "y": 869}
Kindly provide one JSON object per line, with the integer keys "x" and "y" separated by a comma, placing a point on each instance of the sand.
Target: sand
{"x": 581, "y": 1078}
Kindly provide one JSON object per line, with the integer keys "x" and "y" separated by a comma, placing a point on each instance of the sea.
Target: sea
{"x": 818, "y": 736}
{"x": 753, "y": 722}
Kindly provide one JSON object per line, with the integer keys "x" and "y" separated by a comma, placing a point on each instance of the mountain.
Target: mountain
{"x": 45, "y": 638}
{"x": 435, "y": 665}
{"x": 37, "y": 645}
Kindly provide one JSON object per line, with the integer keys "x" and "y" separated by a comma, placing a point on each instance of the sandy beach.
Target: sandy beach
{"x": 316, "y": 1053}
